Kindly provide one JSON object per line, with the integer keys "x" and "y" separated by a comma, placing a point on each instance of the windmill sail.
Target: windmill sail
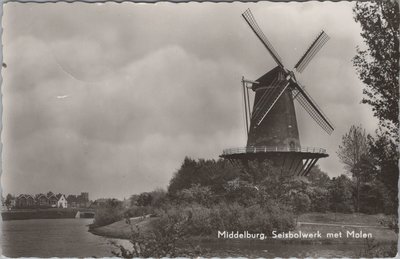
{"x": 318, "y": 43}
{"x": 306, "y": 101}
{"x": 248, "y": 16}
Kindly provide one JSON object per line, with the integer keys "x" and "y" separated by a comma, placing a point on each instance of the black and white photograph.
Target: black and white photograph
{"x": 200, "y": 129}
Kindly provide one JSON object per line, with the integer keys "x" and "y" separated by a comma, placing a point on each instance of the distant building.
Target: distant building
{"x": 50, "y": 200}
{"x": 42, "y": 200}
{"x": 61, "y": 201}
{"x": 25, "y": 201}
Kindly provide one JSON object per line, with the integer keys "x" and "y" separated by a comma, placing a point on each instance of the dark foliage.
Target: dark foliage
{"x": 211, "y": 173}
{"x": 162, "y": 241}
{"x": 108, "y": 212}
{"x": 378, "y": 64}
{"x": 341, "y": 194}
{"x": 384, "y": 159}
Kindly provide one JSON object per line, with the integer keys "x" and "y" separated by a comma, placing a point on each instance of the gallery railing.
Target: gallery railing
{"x": 262, "y": 149}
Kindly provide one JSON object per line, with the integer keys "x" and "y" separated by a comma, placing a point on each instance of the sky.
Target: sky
{"x": 110, "y": 98}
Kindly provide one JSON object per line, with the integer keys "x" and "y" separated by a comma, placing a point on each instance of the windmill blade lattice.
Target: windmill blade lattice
{"x": 318, "y": 43}
{"x": 306, "y": 101}
{"x": 248, "y": 16}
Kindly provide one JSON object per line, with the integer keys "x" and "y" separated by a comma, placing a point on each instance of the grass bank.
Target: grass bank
{"x": 50, "y": 213}
{"x": 122, "y": 229}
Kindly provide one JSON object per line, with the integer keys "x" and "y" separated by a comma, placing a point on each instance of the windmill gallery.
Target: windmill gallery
{"x": 272, "y": 131}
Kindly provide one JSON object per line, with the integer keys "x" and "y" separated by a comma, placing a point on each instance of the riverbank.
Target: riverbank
{"x": 49, "y": 213}
{"x": 122, "y": 229}
{"x": 326, "y": 228}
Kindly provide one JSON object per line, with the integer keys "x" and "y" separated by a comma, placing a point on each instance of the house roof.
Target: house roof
{"x": 26, "y": 196}
{"x": 40, "y": 195}
{"x": 60, "y": 195}
{"x": 50, "y": 194}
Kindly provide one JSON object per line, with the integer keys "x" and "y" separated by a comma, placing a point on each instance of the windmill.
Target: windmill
{"x": 271, "y": 124}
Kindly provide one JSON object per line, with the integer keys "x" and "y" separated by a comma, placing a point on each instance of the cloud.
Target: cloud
{"x": 147, "y": 114}
{"x": 110, "y": 98}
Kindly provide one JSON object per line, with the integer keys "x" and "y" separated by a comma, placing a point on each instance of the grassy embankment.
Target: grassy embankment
{"x": 307, "y": 223}
{"x": 44, "y": 213}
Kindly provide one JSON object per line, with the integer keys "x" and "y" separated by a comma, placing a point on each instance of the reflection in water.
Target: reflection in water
{"x": 70, "y": 238}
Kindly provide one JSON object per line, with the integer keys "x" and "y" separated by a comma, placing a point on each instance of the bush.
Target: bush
{"x": 196, "y": 193}
{"x": 319, "y": 199}
{"x": 241, "y": 192}
{"x": 138, "y": 211}
{"x": 235, "y": 217}
{"x": 109, "y": 212}
{"x": 163, "y": 240}
{"x": 178, "y": 223}
{"x": 372, "y": 197}
{"x": 211, "y": 173}
{"x": 340, "y": 195}
{"x": 154, "y": 198}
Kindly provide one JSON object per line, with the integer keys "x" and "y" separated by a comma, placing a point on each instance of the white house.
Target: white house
{"x": 62, "y": 201}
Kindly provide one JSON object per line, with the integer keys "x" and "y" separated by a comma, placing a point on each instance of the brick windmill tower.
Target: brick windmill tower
{"x": 271, "y": 124}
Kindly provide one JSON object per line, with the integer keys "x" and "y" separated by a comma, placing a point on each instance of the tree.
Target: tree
{"x": 318, "y": 178}
{"x": 354, "y": 146}
{"x": 197, "y": 194}
{"x": 373, "y": 197}
{"x": 340, "y": 194}
{"x": 8, "y": 200}
{"x": 353, "y": 150}
{"x": 211, "y": 173}
{"x": 385, "y": 157}
{"x": 319, "y": 198}
{"x": 144, "y": 199}
{"x": 377, "y": 65}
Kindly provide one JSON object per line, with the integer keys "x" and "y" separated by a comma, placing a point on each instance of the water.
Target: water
{"x": 70, "y": 238}
{"x": 253, "y": 249}
{"x": 53, "y": 238}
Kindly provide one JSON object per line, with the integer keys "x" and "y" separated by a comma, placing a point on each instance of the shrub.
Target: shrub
{"x": 372, "y": 197}
{"x": 241, "y": 192}
{"x": 202, "y": 172}
{"x": 340, "y": 195}
{"x": 163, "y": 240}
{"x": 235, "y": 217}
{"x": 196, "y": 194}
{"x": 137, "y": 211}
{"x": 319, "y": 199}
{"x": 177, "y": 223}
{"x": 109, "y": 212}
